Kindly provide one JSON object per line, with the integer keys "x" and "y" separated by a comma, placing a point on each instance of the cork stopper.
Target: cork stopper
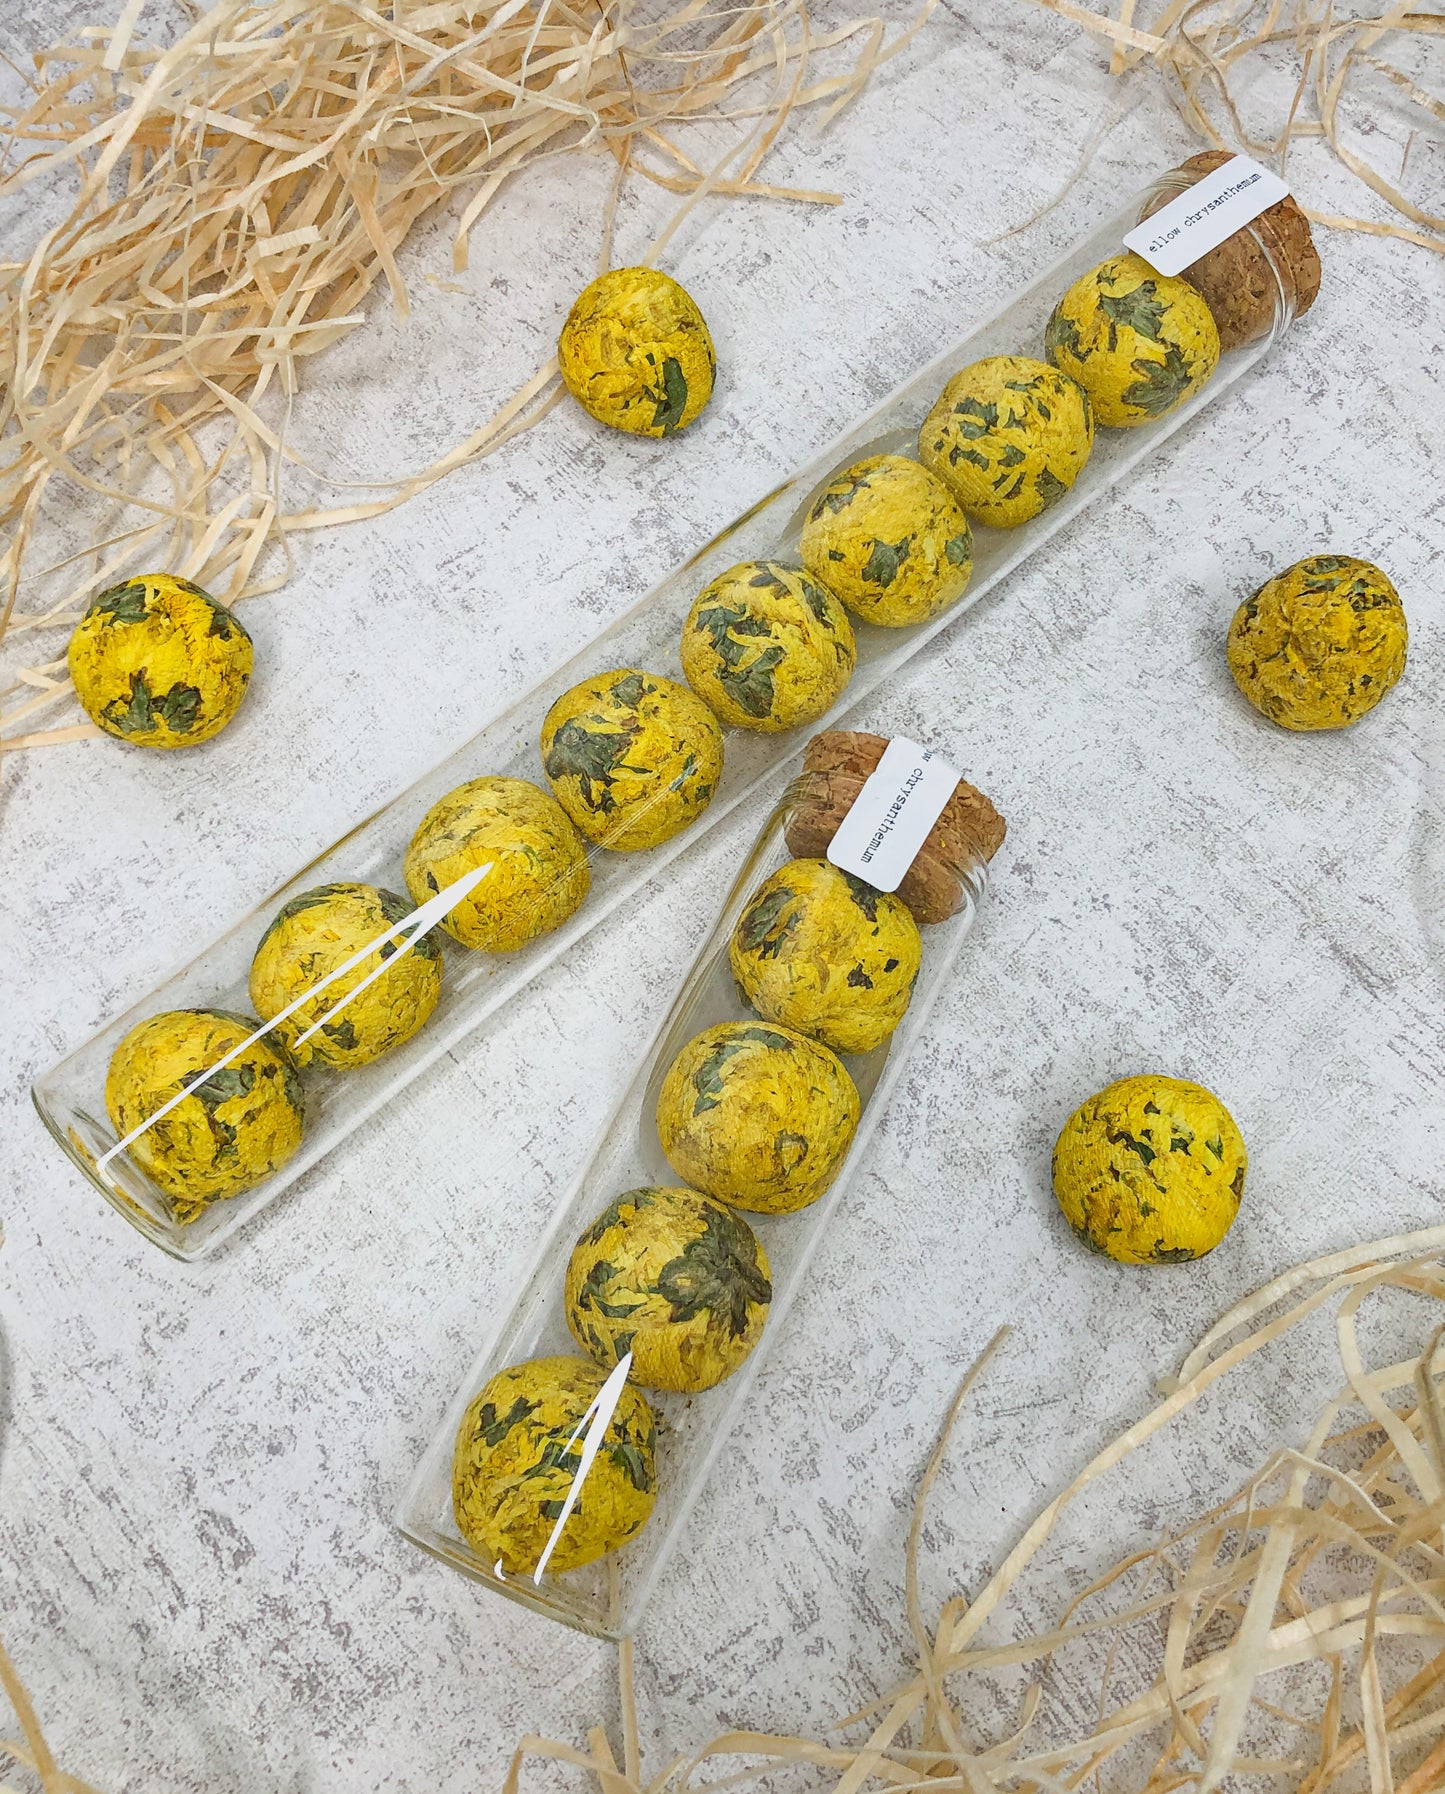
{"x": 836, "y": 765}
{"x": 1237, "y": 279}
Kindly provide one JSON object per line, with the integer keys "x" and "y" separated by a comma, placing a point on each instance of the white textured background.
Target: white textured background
{"x": 197, "y": 1465}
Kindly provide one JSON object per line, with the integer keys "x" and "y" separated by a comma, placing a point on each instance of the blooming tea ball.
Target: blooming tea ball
{"x": 1139, "y": 343}
{"x": 679, "y": 1281}
{"x": 320, "y": 930}
{"x": 539, "y": 866}
{"x": 635, "y": 352}
{"x": 633, "y": 758}
{"x": 1150, "y": 1171}
{"x": 1008, "y": 436}
{"x": 757, "y": 1116}
{"x": 158, "y": 662}
{"x": 890, "y": 540}
{"x": 238, "y": 1127}
{"x": 1319, "y": 644}
{"x": 821, "y": 951}
{"x": 767, "y": 646}
{"x": 516, "y": 1459}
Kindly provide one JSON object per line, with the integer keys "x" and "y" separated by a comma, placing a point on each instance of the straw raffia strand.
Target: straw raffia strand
{"x": 1211, "y": 53}
{"x": 239, "y": 192}
{"x": 1329, "y": 1562}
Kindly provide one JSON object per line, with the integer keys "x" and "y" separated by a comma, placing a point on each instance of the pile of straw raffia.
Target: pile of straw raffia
{"x": 1292, "y": 1636}
{"x": 238, "y": 194}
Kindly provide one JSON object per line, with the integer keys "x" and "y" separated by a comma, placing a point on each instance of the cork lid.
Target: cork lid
{"x": 1237, "y": 279}
{"x": 836, "y": 765}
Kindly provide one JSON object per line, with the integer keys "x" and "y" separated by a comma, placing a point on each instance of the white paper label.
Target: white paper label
{"x": 901, "y": 800}
{"x": 1205, "y": 214}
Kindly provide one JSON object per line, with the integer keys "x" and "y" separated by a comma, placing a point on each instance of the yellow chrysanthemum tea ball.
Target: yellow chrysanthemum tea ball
{"x": 1139, "y": 343}
{"x": 635, "y": 353}
{"x": 678, "y": 1280}
{"x": 159, "y": 663}
{"x": 1150, "y": 1170}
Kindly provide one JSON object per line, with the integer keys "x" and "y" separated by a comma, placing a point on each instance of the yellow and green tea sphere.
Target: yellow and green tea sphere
{"x": 767, "y": 646}
{"x": 889, "y": 539}
{"x": 676, "y": 1279}
{"x": 757, "y": 1116}
{"x": 539, "y": 866}
{"x": 320, "y": 930}
{"x": 1139, "y": 343}
{"x": 1150, "y": 1171}
{"x": 1008, "y": 436}
{"x": 821, "y": 951}
{"x": 158, "y": 662}
{"x": 238, "y": 1127}
{"x": 633, "y": 758}
{"x": 1319, "y": 644}
{"x": 515, "y": 1462}
{"x": 635, "y": 353}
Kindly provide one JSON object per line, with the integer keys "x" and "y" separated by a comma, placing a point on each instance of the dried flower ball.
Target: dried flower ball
{"x": 676, "y": 1279}
{"x": 238, "y": 1127}
{"x": 1150, "y": 1171}
{"x": 757, "y": 1116}
{"x": 1008, "y": 436}
{"x": 636, "y": 354}
{"x": 311, "y": 936}
{"x": 633, "y": 759}
{"x": 889, "y": 539}
{"x": 1139, "y": 343}
{"x": 821, "y": 951}
{"x": 516, "y": 1459}
{"x": 158, "y": 662}
{"x": 767, "y": 646}
{"x": 1319, "y": 644}
{"x": 539, "y": 866}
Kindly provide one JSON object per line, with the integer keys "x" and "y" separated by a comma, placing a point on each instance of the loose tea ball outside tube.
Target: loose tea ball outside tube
{"x": 767, "y": 647}
{"x": 890, "y": 540}
{"x": 821, "y": 951}
{"x": 516, "y": 1460}
{"x": 1008, "y": 436}
{"x": 1139, "y": 343}
{"x": 632, "y": 758}
{"x": 1150, "y": 1170}
{"x": 1240, "y": 279}
{"x": 679, "y": 1281}
{"x": 636, "y": 354}
{"x": 314, "y": 934}
{"x": 1320, "y": 644}
{"x": 159, "y": 663}
{"x": 539, "y": 866}
{"x": 757, "y": 1116}
{"x": 236, "y": 1128}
